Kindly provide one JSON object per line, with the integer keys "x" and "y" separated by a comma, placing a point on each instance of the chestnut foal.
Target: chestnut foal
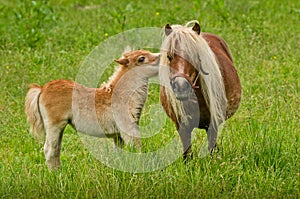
{"x": 51, "y": 107}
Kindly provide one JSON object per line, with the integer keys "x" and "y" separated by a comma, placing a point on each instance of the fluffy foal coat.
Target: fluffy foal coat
{"x": 51, "y": 107}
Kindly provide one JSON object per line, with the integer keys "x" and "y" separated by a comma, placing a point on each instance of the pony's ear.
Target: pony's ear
{"x": 122, "y": 61}
{"x": 196, "y": 28}
{"x": 168, "y": 29}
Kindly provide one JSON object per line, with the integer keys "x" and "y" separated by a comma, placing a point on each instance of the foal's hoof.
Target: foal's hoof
{"x": 53, "y": 164}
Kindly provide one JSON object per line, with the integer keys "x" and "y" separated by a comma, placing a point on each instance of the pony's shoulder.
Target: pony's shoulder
{"x": 211, "y": 37}
{"x": 217, "y": 43}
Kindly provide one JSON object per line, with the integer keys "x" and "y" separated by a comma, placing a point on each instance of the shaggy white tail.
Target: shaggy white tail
{"x": 32, "y": 111}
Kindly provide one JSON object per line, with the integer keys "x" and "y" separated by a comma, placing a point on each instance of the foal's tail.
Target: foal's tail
{"x": 32, "y": 110}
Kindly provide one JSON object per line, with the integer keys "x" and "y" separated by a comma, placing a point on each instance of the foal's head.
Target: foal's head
{"x": 138, "y": 58}
{"x": 140, "y": 64}
{"x": 180, "y": 55}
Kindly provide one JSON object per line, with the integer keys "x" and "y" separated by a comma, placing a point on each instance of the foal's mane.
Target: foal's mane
{"x": 186, "y": 43}
{"x": 114, "y": 78}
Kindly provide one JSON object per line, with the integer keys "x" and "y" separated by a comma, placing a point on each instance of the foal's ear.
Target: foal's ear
{"x": 168, "y": 29}
{"x": 127, "y": 49}
{"x": 122, "y": 61}
{"x": 196, "y": 28}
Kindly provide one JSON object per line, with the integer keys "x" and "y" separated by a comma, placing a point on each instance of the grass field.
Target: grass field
{"x": 258, "y": 154}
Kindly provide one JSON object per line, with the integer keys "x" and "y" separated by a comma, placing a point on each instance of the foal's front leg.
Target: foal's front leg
{"x": 132, "y": 137}
{"x": 52, "y": 147}
{"x": 119, "y": 142}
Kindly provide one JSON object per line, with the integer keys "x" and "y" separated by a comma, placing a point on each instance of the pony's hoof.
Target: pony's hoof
{"x": 213, "y": 150}
{"x": 187, "y": 157}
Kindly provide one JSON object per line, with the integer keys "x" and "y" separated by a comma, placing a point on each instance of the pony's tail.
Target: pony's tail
{"x": 32, "y": 110}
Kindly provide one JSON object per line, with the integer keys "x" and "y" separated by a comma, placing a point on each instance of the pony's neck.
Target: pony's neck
{"x": 113, "y": 80}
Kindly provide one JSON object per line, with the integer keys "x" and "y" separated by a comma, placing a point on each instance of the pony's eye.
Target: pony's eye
{"x": 141, "y": 59}
{"x": 170, "y": 57}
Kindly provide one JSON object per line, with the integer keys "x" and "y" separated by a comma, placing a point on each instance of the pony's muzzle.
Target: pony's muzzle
{"x": 181, "y": 87}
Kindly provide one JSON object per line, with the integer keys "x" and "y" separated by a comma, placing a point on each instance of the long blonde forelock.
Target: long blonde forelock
{"x": 194, "y": 49}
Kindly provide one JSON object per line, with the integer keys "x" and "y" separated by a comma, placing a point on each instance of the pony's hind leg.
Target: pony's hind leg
{"x": 52, "y": 147}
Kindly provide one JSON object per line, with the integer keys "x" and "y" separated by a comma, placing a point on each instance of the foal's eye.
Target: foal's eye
{"x": 170, "y": 57}
{"x": 141, "y": 59}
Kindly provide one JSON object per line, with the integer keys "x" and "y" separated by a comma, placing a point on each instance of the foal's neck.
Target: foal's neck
{"x": 113, "y": 80}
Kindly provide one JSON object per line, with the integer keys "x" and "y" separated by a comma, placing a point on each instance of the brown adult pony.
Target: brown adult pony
{"x": 200, "y": 86}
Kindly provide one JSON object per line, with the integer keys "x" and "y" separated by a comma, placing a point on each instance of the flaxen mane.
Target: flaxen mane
{"x": 193, "y": 47}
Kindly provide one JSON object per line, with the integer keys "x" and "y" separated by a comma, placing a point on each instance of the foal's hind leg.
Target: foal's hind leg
{"x": 52, "y": 147}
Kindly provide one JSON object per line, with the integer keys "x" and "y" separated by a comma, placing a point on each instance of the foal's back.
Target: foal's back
{"x": 65, "y": 102}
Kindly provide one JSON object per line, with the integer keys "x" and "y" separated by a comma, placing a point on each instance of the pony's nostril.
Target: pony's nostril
{"x": 185, "y": 86}
{"x": 174, "y": 85}
{"x": 180, "y": 85}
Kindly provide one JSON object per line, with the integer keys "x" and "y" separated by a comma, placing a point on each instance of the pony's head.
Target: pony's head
{"x": 187, "y": 63}
{"x": 180, "y": 48}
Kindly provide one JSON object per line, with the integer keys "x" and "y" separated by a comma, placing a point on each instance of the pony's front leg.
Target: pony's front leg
{"x": 212, "y": 135}
{"x": 52, "y": 146}
{"x": 185, "y": 134}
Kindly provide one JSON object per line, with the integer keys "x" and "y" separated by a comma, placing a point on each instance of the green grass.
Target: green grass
{"x": 258, "y": 154}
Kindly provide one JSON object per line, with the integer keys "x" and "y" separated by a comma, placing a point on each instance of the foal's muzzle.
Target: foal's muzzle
{"x": 181, "y": 87}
